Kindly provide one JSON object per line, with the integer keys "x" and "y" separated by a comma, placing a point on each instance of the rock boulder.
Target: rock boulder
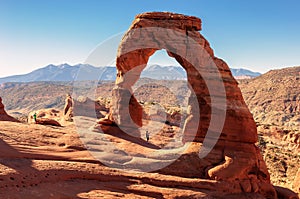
{"x": 3, "y": 115}
{"x": 45, "y": 117}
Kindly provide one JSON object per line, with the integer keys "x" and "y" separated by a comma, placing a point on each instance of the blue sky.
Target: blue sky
{"x": 257, "y": 35}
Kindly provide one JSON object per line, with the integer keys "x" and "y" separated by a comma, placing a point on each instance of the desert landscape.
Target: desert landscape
{"x": 91, "y": 143}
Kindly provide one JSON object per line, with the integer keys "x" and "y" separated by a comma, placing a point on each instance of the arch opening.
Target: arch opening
{"x": 163, "y": 92}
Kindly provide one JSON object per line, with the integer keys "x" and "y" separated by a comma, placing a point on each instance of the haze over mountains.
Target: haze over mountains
{"x": 66, "y": 72}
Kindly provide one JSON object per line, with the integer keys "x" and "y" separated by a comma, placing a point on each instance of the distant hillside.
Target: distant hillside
{"x": 28, "y": 96}
{"x": 82, "y": 72}
{"x": 274, "y": 97}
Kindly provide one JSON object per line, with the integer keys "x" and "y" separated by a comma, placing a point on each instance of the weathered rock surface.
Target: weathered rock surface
{"x": 68, "y": 108}
{"x": 3, "y": 115}
{"x": 49, "y": 114}
{"x": 280, "y": 154}
{"x": 45, "y": 117}
{"x": 296, "y": 183}
{"x": 83, "y": 106}
{"x": 47, "y": 121}
{"x": 274, "y": 97}
{"x": 274, "y": 101}
{"x": 48, "y": 162}
{"x": 234, "y": 158}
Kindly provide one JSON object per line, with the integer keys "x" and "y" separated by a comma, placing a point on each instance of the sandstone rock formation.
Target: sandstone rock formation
{"x": 281, "y": 154}
{"x": 3, "y": 115}
{"x": 68, "y": 109}
{"x": 83, "y": 106}
{"x": 47, "y": 121}
{"x": 169, "y": 115}
{"x": 45, "y": 117}
{"x": 234, "y": 158}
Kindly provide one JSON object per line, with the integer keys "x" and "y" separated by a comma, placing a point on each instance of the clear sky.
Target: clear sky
{"x": 259, "y": 34}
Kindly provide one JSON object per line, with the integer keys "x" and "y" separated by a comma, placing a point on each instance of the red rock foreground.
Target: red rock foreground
{"x": 51, "y": 162}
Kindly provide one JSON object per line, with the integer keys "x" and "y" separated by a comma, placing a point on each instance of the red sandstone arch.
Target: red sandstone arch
{"x": 152, "y": 32}
{"x": 234, "y": 157}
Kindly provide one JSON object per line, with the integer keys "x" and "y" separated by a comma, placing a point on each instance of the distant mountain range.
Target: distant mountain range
{"x": 241, "y": 73}
{"x": 64, "y": 72}
{"x": 81, "y": 72}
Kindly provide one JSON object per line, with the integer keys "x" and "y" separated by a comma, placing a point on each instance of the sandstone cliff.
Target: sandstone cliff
{"x": 3, "y": 115}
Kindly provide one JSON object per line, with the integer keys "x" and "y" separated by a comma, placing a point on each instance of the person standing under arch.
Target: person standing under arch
{"x": 147, "y": 136}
